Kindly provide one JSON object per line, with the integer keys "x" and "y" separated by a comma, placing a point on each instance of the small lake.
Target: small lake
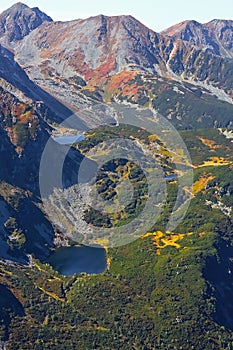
{"x": 171, "y": 177}
{"x": 74, "y": 260}
{"x": 69, "y": 140}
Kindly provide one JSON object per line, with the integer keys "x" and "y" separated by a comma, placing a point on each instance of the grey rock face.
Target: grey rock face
{"x": 19, "y": 20}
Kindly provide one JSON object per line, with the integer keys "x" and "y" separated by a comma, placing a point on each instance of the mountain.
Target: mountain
{"x": 215, "y": 36}
{"x": 165, "y": 290}
{"x": 102, "y": 46}
{"x": 15, "y": 80}
{"x": 25, "y": 127}
{"x": 94, "y": 48}
{"x": 93, "y": 58}
{"x": 103, "y": 58}
{"x": 18, "y": 21}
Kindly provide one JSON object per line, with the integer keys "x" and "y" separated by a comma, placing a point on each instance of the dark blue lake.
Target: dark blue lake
{"x": 74, "y": 260}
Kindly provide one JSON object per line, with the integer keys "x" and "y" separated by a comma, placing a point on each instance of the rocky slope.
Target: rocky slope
{"x": 215, "y": 36}
{"x": 89, "y": 54}
{"x": 25, "y": 129}
{"x": 18, "y": 21}
{"x": 24, "y": 133}
{"x": 102, "y": 58}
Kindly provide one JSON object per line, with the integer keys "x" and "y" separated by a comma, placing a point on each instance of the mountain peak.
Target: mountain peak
{"x": 219, "y": 22}
{"x": 216, "y": 36}
{"x": 177, "y": 29}
{"x": 19, "y": 20}
{"x": 19, "y": 5}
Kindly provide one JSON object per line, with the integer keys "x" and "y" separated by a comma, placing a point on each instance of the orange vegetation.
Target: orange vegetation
{"x": 102, "y": 71}
{"x": 209, "y": 143}
{"x": 118, "y": 83}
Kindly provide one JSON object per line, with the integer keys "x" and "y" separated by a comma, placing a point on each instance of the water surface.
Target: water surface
{"x": 75, "y": 260}
{"x": 69, "y": 140}
{"x": 171, "y": 177}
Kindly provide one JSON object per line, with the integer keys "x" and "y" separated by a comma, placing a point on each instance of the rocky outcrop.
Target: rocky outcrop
{"x": 18, "y": 21}
{"x": 215, "y": 36}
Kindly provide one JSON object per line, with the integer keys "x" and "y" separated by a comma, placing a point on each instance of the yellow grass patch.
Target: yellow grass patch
{"x": 162, "y": 240}
{"x": 153, "y": 138}
{"x": 9, "y": 273}
{"x": 108, "y": 263}
{"x": 46, "y": 321}
{"x": 55, "y": 278}
{"x": 103, "y": 242}
{"x": 52, "y": 295}
{"x": 200, "y": 184}
{"x": 40, "y": 268}
{"x": 214, "y": 161}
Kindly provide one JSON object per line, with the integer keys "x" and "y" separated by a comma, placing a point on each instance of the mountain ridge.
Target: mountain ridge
{"x": 17, "y": 22}
{"x": 83, "y": 60}
{"x": 215, "y": 35}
